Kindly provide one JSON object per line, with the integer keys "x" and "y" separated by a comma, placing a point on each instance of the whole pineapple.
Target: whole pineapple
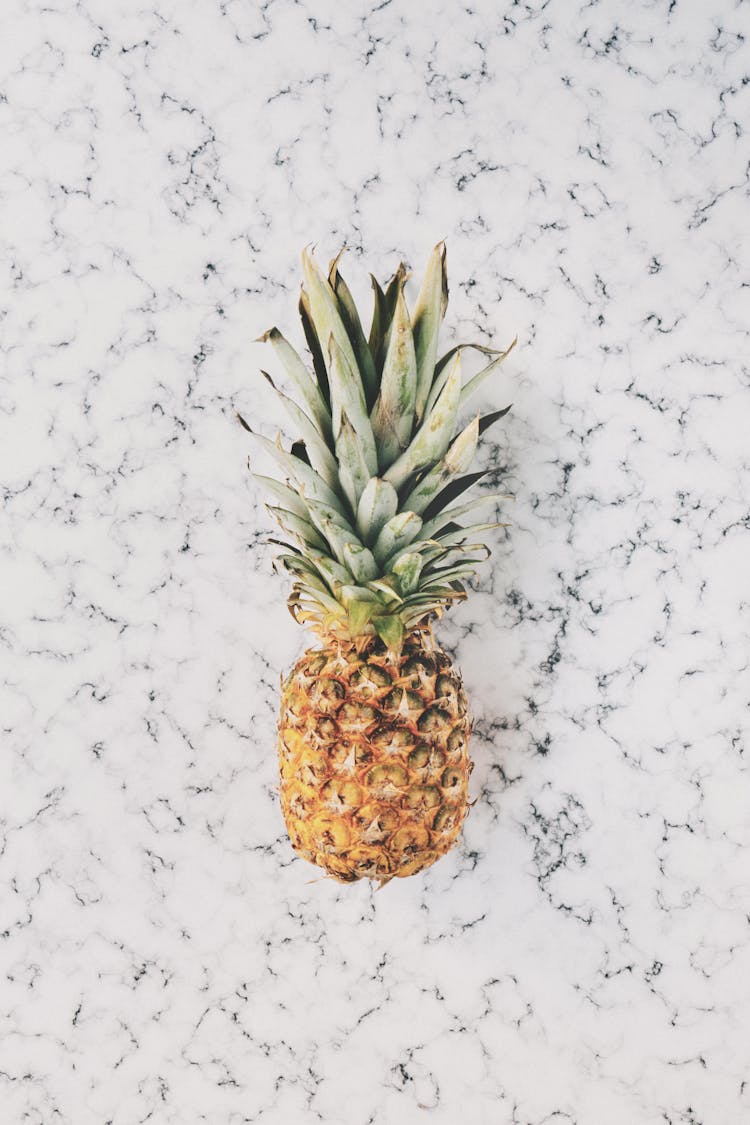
{"x": 374, "y": 730}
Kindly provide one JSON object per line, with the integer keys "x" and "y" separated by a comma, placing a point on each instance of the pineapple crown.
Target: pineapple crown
{"x": 368, "y": 501}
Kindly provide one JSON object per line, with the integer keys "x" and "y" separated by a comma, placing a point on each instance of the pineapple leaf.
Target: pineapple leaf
{"x": 428, "y": 313}
{"x": 300, "y": 376}
{"x": 354, "y": 471}
{"x": 347, "y": 397}
{"x": 326, "y": 317}
{"x": 452, "y": 492}
{"x": 316, "y": 349}
{"x": 360, "y": 562}
{"x": 407, "y": 570}
{"x": 433, "y": 526}
{"x": 353, "y": 325}
{"x": 382, "y": 315}
{"x": 377, "y": 325}
{"x": 477, "y": 380}
{"x": 297, "y": 526}
{"x": 396, "y": 533}
{"x": 487, "y": 420}
{"x": 377, "y": 504}
{"x": 393, "y": 416}
{"x": 385, "y": 589}
{"x": 390, "y": 630}
{"x": 433, "y": 437}
{"x": 288, "y": 497}
{"x": 322, "y": 513}
{"x": 338, "y": 538}
{"x": 360, "y": 613}
{"x": 305, "y": 476}
{"x": 457, "y": 459}
{"x": 321, "y": 458}
{"x": 332, "y": 572}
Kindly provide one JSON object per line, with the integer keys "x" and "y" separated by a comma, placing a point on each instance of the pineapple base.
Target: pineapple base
{"x": 373, "y": 756}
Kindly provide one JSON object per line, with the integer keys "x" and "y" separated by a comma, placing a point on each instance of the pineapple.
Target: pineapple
{"x": 374, "y": 729}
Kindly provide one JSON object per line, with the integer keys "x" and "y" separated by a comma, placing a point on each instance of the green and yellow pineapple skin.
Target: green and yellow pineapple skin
{"x": 373, "y": 755}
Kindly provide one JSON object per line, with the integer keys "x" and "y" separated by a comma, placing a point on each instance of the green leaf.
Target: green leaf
{"x": 441, "y": 367}
{"x": 354, "y": 471}
{"x": 428, "y": 313}
{"x": 433, "y": 526}
{"x": 321, "y": 511}
{"x": 321, "y": 458}
{"x": 377, "y": 325}
{"x": 397, "y": 533}
{"x": 315, "y": 346}
{"x": 377, "y": 504}
{"x": 487, "y": 420}
{"x": 451, "y": 492}
{"x": 480, "y": 376}
{"x": 390, "y": 630}
{"x": 393, "y": 416}
{"x": 347, "y": 397}
{"x": 288, "y": 497}
{"x": 360, "y": 614}
{"x": 432, "y": 439}
{"x": 296, "y": 525}
{"x": 382, "y": 315}
{"x": 384, "y": 587}
{"x": 457, "y": 460}
{"x": 459, "y": 537}
{"x": 353, "y": 325}
{"x": 338, "y": 538}
{"x": 326, "y": 317}
{"x": 334, "y": 574}
{"x": 407, "y": 570}
{"x": 360, "y": 562}
{"x": 309, "y": 481}
{"x": 300, "y": 376}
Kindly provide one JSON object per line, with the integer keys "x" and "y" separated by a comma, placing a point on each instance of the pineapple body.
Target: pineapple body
{"x": 373, "y": 756}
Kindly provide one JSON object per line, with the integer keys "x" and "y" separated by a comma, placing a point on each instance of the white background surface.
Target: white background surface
{"x": 585, "y": 956}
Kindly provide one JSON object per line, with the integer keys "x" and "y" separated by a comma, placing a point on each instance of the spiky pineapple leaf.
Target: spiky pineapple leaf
{"x": 382, "y": 315}
{"x": 396, "y": 533}
{"x": 456, "y": 460}
{"x": 435, "y": 524}
{"x": 407, "y": 570}
{"x": 476, "y": 381}
{"x": 354, "y": 471}
{"x": 432, "y": 439}
{"x": 319, "y": 454}
{"x": 347, "y": 398}
{"x": 326, "y": 317}
{"x": 428, "y": 314}
{"x": 303, "y": 381}
{"x": 353, "y": 325}
{"x": 487, "y": 420}
{"x": 390, "y": 630}
{"x": 299, "y": 470}
{"x": 297, "y": 526}
{"x": 393, "y": 415}
{"x": 288, "y": 497}
{"x": 377, "y": 504}
{"x": 315, "y": 346}
{"x": 360, "y": 561}
{"x": 451, "y": 492}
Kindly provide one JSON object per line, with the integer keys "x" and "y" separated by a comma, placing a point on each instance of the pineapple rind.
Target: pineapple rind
{"x": 373, "y": 757}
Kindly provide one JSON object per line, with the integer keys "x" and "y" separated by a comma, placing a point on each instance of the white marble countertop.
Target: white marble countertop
{"x": 584, "y": 957}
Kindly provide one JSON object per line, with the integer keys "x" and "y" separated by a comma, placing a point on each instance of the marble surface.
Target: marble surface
{"x": 584, "y": 957}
